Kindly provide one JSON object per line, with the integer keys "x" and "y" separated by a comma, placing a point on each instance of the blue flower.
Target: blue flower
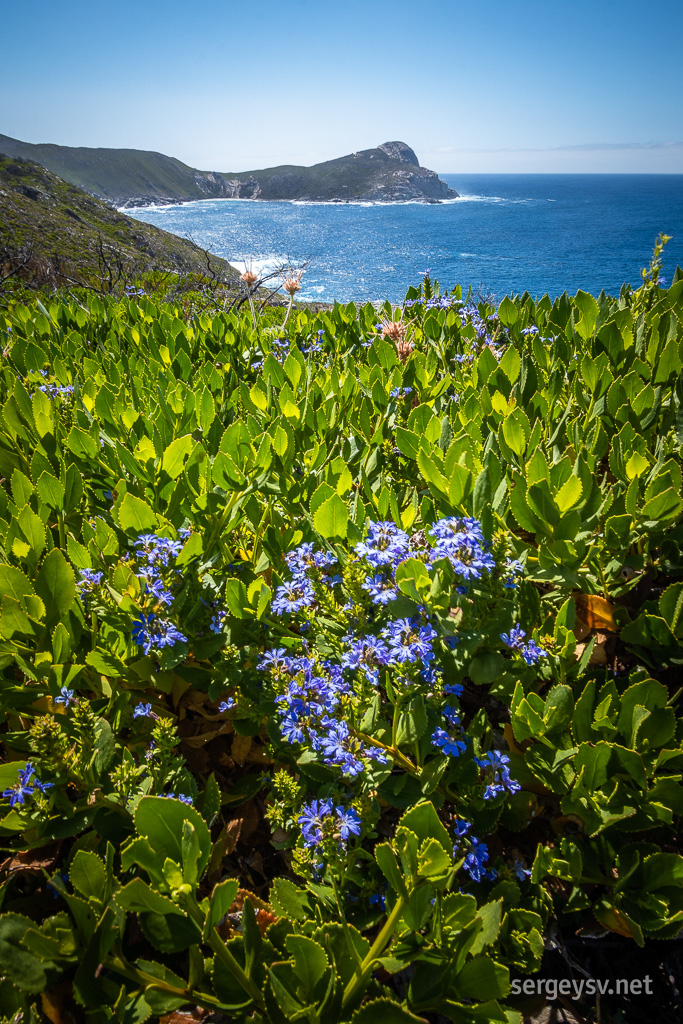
{"x": 153, "y": 634}
{"x": 495, "y": 766}
{"x": 89, "y": 580}
{"x": 144, "y": 711}
{"x": 367, "y": 653}
{"x": 216, "y": 624}
{"x": 273, "y": 661}
{"x": 321, "y": 818}
{"x": 408, "y": 642}
{"x": 380, "y": 589}
{"x": 341, "y": 748}
{"x": 514, "y": 638}
{"x": 349, "y": 822}
{"x": 293, "y": 596}
{"x": 179, "y": 796}
{"x": 25, "y": 785}
{"x": 227, "y": 705}
{"x": 532, "y": 652}
{"x": 451, "y": 743}
{"x": 311, "y": 820}
{"x": 518, "y": 867}
{"x": 66, "y": 697}
{"x": 476, "y": 858}
{"x": 154, "y": 586}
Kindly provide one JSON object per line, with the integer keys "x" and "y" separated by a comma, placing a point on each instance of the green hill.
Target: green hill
{"x": 53, "y": 233}
{"x": 130, "y": 177}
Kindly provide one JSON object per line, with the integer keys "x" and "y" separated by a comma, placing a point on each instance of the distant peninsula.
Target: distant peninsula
{"x": 390, "y": 173}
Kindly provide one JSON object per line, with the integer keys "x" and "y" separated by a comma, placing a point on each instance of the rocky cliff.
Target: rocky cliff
{"x": 128, "y": 177}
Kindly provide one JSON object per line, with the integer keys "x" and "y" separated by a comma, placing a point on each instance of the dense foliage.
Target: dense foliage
{"x": 338, "y": 662}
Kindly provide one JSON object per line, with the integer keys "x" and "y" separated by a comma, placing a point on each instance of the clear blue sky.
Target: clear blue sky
{"x": 581, "y": 85}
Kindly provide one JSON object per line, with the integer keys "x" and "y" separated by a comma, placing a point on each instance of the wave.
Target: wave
{"x": 489, "y": 199}
{"x": 261, "y": 264}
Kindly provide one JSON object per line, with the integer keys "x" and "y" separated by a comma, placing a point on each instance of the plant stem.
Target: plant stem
{"x": 358, "y": 980}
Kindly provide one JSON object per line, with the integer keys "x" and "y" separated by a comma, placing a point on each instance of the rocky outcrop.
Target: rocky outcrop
{"x": 126, "y": 178}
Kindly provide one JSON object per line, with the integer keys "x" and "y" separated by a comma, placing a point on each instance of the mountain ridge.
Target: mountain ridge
{"x": 390, "y": 172}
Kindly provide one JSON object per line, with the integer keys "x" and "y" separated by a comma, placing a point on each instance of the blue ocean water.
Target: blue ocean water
{"x": 508, "y": 233}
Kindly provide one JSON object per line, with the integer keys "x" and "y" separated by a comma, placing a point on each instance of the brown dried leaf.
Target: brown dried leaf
{"x": 595, "y": 612}
{"x": 241, "y": 745}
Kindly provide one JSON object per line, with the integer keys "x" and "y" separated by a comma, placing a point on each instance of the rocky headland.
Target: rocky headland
{"x": 389, "y": 173}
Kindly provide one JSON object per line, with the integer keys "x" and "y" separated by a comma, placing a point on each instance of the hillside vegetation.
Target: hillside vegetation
{"x": 54, "y": 234}
{"x": 340, "y": 660}
{"x": 137, "y": 177}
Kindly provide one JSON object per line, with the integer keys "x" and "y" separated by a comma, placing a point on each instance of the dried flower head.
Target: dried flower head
{"x": 249, "y": 277}
{"x": 394, "y": 329}
{"x": 291, "y": 282}
{"x": 403, "y": 349}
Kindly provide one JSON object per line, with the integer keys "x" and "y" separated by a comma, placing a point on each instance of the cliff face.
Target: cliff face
{"x": 128, "y": 177}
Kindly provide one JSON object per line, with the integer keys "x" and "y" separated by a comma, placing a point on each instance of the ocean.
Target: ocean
{"x": 508, "y": 233}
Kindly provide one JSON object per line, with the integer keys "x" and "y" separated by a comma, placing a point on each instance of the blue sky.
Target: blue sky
{"x": 581, "y": 85}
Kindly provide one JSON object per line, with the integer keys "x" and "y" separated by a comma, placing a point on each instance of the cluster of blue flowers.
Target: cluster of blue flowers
{"x": 451, "y": 741}
{"x": 496, "y": 773}
{"x": 25, "y": 785}
{"x": 153, "y": 634}
{"x": 89, "y": 581}
{"x": 400, "y": 392}
{"x": 53, "y": 390}
{"x": 530, "y": 651}
{"x": 179, "y": 796}
{"x": 476, "y": 853}
{"x": 321, "y": 820}
{"x": 319, "y": 701}
{"x": 280, "y": 349}
{"x": 316, "y": 345}
{"x": 155, "y": 555}
{"x": 309, "y": 694}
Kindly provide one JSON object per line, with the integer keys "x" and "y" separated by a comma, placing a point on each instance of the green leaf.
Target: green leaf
{"x": 516, "y": 431}
{"x": 169, "y": 933}
{"x": 413, "y": 579}
{"x": 175, "y": 455}
{"x": 288, "y": 901}
{"x": 587, "y": 309}
{"x": 569, "y": 495}
{"x": 511, "y": 363}
{"x": 331, "y": 519}
{"x": 56, "y": 585}
{"x": 671, "y": 608}
{"x": 222, "y": 898}
{"x": 160, "y": 821}
{"x": 384, "y": 1011}
{"x": 88, "y": 874}
{"x": 25, "y": 970}
{"x": 486, "y": 668}
{"x": 51, "y": 491}
{"x": 483, "y": 978}
{"x": 407, "y": 442}
{"x": 423, "y": 820}
{"x": 13, "y": 619}
{"x": 134, "y": 515}
{"x": 138, "y": 897}
{"x": 14, "y": 584}
{"x": 105, "y": 744}
{"x": 310, "y": 961}
{"x": 508, "y": 314}
{"x": 434, "y": 862}
{"x": 236, "y": 598}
